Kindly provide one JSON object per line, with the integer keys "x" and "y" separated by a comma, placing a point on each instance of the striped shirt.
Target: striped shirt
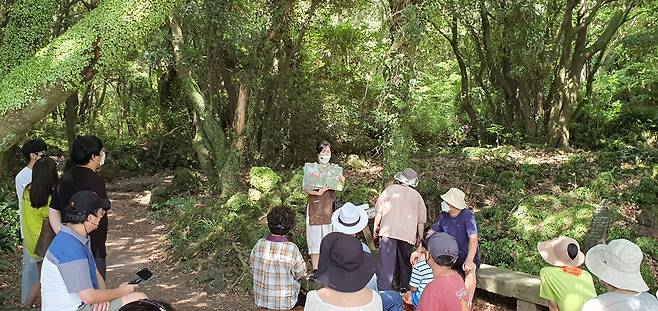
{"x": 276, "y": 265}
{"x": 421, "y": 275}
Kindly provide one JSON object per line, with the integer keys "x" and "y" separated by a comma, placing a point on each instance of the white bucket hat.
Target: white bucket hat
{"x": 617, "y": 264}
{"x": 350, "y": 218}
{"x": 455, "y": 198}
{"x": 408, "y": 177}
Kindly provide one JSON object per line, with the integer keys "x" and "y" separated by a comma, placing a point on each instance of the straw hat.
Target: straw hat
{"x": 555, "y": 252}
{"x": 617, "y": 264}
{"x": 408, "y": 177}
{"x": 455, "y": 198}
{"x": 349, "y": 218}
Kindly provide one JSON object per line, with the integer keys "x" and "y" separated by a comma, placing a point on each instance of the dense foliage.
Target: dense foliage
{"x": 232, "y": 96}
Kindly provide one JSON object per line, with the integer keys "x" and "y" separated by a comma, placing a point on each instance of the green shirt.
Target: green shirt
{"x": 568, "y": 291}
{"x": 32, "y": 222}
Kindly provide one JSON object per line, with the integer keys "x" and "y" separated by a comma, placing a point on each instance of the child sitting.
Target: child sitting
{"x": 421, "y": 275}
{"x": 277, "y": 265}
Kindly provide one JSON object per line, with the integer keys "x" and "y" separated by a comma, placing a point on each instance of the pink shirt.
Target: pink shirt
{"x": 445, "y": 293}
{"x": 402, "y": 208}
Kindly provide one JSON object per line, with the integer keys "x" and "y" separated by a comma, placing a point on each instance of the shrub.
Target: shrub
{"x": 263, "y": 178}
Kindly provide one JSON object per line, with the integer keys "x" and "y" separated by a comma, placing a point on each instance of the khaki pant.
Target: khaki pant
{"x": 114, "y": 306}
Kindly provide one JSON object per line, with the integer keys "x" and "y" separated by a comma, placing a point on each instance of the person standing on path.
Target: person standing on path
{"x": 87, "y": 156}
{"x": 32, "y": 150}
{"x": 36, "y": 199}
{"x": 320, "y": 208}
{"x": 399, "y": 224}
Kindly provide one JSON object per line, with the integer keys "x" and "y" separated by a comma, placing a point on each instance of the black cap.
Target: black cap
{"x": 33, "y": 146}
{"x": 88, "y": 201}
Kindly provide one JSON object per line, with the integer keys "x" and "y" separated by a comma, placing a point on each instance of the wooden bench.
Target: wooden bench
{"x": 522, "y": 286}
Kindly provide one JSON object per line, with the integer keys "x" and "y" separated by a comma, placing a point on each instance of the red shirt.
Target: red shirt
{"x": 445, "y": 293}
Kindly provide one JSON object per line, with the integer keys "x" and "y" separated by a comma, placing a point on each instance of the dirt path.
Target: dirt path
{"x": 135, "y": 242}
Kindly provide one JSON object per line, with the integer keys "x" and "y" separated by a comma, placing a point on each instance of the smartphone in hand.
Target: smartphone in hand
{"x": 142, "y": 276}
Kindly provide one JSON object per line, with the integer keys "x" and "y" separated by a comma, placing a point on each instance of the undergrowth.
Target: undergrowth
{"x": 520, "y": 197}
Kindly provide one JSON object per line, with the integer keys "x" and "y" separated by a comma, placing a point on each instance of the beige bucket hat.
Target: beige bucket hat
{"x": 555, "y": 252}
{"x": 617, "y": 264}
{"x": 455, "y": 198}
{"x": 408, "y": 177}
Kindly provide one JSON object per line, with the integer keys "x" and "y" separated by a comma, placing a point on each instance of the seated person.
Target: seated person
{"x": 447, "y": 292}
{"x": 277, "y": 264}
{"x": 69, "y": 278}
{"x": 617, "y": 265}
{"x": 351, "y": 219}
{"x": 458, "y": 221}
{"x": 344, "y": 269}
{"x": 421, "y": 275}
{"x": 147, "y": 305}
{"x": 564, "y": 284}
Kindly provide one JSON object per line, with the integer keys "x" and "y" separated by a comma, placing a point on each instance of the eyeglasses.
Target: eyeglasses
{"x": 101, "y": 213}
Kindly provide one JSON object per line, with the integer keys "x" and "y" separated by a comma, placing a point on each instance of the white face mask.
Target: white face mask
{"x": 445, "y": 207}
{"x": 102, "y": 157}
{"x": 324, "y": 159}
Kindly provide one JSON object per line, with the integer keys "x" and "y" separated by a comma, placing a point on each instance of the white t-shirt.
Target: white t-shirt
{"x": 23, "y": 179}
{"x": 614, "y": 301}
{"x": 315, "y": 303}
{"x": 54, "y": 295}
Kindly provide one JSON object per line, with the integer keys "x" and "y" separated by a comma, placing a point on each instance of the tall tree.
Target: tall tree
{"x": 534, "y": 54}
{"x": 102, "y": 39}
{"x": 404, "y": 27}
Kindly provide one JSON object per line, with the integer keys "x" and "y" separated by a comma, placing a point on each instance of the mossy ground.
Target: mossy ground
{"x": 520, "y": 197}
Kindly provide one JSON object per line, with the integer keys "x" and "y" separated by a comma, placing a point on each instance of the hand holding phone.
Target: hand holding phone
{"x": 142, "y": 276}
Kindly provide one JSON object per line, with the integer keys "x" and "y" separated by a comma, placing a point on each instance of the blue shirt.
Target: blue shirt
{"x": 461, "y": 227}
{"x": 71, "y": 253}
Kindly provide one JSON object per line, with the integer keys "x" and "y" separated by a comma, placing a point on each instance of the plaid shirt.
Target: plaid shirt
{"x": 277, "y": 265}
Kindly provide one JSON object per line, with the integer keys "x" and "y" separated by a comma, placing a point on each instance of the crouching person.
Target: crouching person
{"x": 69, "y": 278}
{"x": 277, "y": 265}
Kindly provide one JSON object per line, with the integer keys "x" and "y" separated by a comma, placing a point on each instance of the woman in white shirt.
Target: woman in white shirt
{"x": 344, "y": 269}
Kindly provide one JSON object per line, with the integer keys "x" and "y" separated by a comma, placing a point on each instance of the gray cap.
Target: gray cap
{"x": 442, "y": 244}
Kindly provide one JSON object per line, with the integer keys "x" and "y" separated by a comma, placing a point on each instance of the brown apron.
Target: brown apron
{"x": 320, "y": 208}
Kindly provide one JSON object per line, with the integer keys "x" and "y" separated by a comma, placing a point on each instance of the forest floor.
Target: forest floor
{"x": 135, "y": 241}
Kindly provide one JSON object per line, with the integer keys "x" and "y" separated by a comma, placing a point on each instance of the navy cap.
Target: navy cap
{"x": 88, "y": 201}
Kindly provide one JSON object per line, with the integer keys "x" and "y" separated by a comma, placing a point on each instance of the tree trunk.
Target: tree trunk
{"x": 110, "y": 32}
{"x": 216, "y": 157}
{"x": 240, "y": 120}
{"x": 395, "y": 101}
{"x": 574, "y": 54}
{"x": 71, "y": 116}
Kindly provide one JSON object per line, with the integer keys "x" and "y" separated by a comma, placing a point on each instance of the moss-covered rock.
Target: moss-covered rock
{"x": 263, "y": 178}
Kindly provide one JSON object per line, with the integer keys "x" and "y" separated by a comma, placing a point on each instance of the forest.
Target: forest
{"x": 537, "y": 109}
